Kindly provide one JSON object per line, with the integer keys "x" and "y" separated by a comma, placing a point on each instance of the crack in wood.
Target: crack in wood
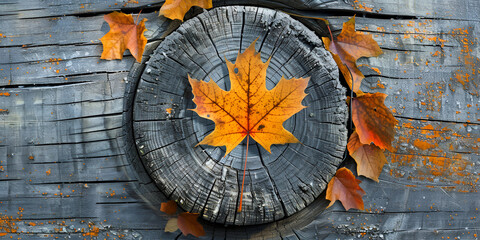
{"x": 436, "y": 120}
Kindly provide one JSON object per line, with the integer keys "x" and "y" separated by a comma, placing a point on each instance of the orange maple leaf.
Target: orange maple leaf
{"x": 169, "y": 207}
{"x": 374, "y": 122}
{"x": 370, "y": 158}
{"x": 349, "y": 46}
{"x": 176, "y": 9}
{"x": 188, "y": 224}
{"x": 249, "y": 108}
{"x": 123, "y": 34}
{"x": 344, "y": 187}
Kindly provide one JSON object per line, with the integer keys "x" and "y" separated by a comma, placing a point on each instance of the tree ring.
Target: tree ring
{"x": 200, "y": 178}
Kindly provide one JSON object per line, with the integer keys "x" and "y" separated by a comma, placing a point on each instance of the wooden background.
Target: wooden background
{"x": 63, "y": 162}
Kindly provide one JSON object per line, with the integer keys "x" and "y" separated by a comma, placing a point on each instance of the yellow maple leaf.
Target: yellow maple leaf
{"x": 176, "y": 9}
{"x": 249, "y": 108}
{"x": 123, "y": 34}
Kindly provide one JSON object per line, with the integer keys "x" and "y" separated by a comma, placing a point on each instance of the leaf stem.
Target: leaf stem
{"x": 351, "y": 99}
{"x": 243, "y": 180}
{"x": 331, "y": 35}
{"x": 138, "y": 16}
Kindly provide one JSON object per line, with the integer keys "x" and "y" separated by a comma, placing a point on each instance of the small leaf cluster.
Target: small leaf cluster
{"x": 374, "y": 122}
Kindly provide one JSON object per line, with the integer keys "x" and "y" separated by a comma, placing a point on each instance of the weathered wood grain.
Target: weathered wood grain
{"x": 401, "y": 206}
{"x": 202, "y": 179}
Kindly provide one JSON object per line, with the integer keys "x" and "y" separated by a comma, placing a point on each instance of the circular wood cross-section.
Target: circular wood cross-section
{"x": 200, "y": 178}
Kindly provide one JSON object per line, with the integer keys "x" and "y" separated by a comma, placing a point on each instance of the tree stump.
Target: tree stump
{"x": 200, "y": 178}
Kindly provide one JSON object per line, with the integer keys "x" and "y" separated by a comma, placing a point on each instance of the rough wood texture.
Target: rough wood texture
{"x": 201, "y": 179}
{"x": 426, "y": 191}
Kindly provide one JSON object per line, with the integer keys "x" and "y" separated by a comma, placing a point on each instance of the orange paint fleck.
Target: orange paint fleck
{"x": 468, "y": 63}
{"x": 7, "y": 224}
{"x": 423, "y": 145}
{"x": 437, "y": 39}
{"x": 169, "y": 110}
{"x": 6, "y": 94}
{"x": 377, "y": 70}
{"x": 364, "y": 7}
{"x": 427, "y": 127}
{"x": 440, "y": 163}
{"x": 48, "y": 172}
{"x": 94, "y": 232}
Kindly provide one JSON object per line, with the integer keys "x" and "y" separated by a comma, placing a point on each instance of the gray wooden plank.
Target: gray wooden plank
{"x": 39, "y": 9}
{"x": 409, "y": 8}
{"x": 415, "y": 70}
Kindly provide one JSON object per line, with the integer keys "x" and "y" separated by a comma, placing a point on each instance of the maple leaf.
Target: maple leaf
{"x": 248, "y": 109}
{"x": 344, "y": 187}
{"x": 124, "y": 34}
{"x": 349, "y": 46}
{"x": 374, "y": 122}
{"x": 176, "y": 9}
{"x": 370, "y": 158}
{"x": 169, "y": 207}
{"x": 188, "y": 224}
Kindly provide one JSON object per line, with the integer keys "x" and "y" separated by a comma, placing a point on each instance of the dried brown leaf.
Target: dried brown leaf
{"x": 344, "y": 187}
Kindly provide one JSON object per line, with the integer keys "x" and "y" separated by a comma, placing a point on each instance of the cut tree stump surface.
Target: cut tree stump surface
{"x": 66, "y": 163}
{"x": 202, "y": 179}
